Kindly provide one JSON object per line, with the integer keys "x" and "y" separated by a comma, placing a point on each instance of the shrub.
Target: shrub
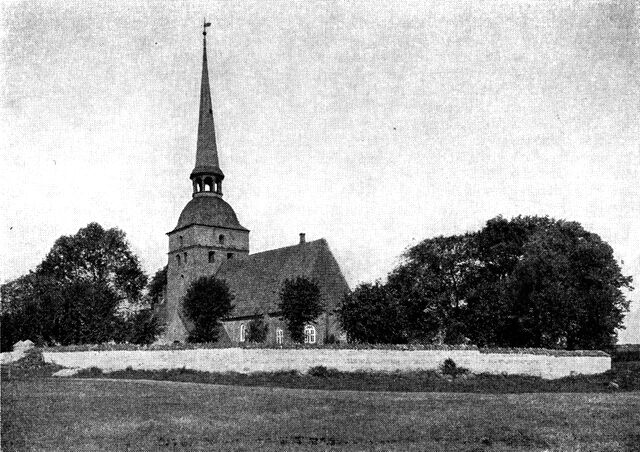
{"x": 258, "y": 330}
{"x": 449, "y": 367}
{"x": 331, "y": 339}
{"x": 322, "y": 372}
{"x": 91, "y": 372}
{"x": 141, "y": 327}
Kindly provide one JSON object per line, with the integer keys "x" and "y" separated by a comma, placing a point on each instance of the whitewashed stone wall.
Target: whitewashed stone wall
{"x": 9, "y": 357}
{"x": 256, "y": 360}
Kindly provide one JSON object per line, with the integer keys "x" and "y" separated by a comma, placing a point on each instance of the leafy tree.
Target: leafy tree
{"x": 81, "y": 312}
{"x": 300, "y": 304}
{"x": 431, "y": 287}
{"x": 567, "y": 290}
{"x": 207, "y": 301}
{"x": 142, "y": 327}
{"x": 257, "y": 330}
{"x": 97, "y": 255}
{"x": 74, "y": 295}
{"x": 528, "y": 281}
{"x": 370, "y": 314}
{"x": 157, "y": 285}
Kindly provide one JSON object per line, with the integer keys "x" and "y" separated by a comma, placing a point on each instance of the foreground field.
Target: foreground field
{"x": 61, "y": 414}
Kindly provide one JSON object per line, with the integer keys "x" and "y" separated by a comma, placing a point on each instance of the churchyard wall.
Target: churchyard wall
{"x": 548, "y": 365}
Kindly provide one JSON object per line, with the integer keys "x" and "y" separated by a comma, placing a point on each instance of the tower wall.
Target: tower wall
{"x": 197, "y": 242}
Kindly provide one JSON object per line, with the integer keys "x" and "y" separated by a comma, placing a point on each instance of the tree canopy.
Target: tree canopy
{"x": 97, "y": 255}
{"x": 158, "y": 285}
{"x": 527, "y": 282}
{"x": 207, "y": 301}
{"x": 76, "y": 294}
{"x": 370, "y": 314}
{"x": 300, "y": 304}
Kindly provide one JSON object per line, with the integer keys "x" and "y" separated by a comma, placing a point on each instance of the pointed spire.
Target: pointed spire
{"x": 206, "y": 150}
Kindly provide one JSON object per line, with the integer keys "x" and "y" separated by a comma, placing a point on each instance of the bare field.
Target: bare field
{"x": 61, "y": 414}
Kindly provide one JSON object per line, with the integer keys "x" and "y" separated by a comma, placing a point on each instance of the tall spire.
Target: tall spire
{"x": 206, "y": 151}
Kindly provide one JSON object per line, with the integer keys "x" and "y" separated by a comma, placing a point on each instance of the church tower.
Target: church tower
{"x": 208, "y": 232}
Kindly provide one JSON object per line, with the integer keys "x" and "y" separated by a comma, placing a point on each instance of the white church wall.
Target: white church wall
{"x": 266, "y": 360}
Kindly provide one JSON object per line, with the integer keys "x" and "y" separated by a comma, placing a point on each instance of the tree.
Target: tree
{"x": 21, "y": 314}
{"x": 74, "y": 296}
{"x": 300, "y": 304}
{"x": 142, "y": 327}
{"x": 257, "y": 330}
{"x": 528, "y": 282}
{"x": 97, "y": 255}
{"x": 370, "y": 314}
{"x": 157, "y": 286}
{"x": 431, "y": 287}
{"x": 567, "y": 290}
{"x": 207, "y": 301}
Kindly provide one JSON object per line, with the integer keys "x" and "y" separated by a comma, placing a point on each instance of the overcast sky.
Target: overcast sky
{"x": 372, "y": 124}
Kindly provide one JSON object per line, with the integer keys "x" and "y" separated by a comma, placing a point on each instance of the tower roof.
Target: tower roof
{"x": 208, "y": 211}
{"x": 206, "y": 150}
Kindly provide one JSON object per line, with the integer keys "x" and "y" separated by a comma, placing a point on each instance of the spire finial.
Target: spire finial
{"x": 204, "y": 27}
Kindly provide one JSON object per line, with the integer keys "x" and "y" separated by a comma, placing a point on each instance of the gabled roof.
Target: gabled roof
{"x": 256, "y": 280}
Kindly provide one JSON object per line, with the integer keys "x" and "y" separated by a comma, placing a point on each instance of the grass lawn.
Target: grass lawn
{"x": 85, "y": 414}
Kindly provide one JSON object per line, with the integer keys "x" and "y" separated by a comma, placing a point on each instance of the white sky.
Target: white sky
{"x": 372, "y": 124}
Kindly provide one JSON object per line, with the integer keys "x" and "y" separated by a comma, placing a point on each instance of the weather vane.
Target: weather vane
{"x": 204, "y": 28}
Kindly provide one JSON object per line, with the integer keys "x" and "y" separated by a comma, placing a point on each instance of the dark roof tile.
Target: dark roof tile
{"x": 256, "y": 280}
{"x": 208, "y": 210}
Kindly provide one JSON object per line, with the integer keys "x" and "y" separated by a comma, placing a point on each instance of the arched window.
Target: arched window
{"x": 242, "y": 332}
{"x": 221, "y": 239}
{"x": 185, "y": 257}
{"x": 309, "y": 334}
{"x": 178, "y": 259}
{"x": 279, "y": 335}
{"x": 212, "y": 256}
{"x": 208, "y": 184}
{"x": 198, "y": 185}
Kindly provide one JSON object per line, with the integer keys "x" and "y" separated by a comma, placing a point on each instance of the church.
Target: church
{"x": 209, "y": 240}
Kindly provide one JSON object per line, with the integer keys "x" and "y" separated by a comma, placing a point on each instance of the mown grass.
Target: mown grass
{"x": 84, "y": 414}
{"x": 626, "y": 377}
{"x": 249, "y": 412}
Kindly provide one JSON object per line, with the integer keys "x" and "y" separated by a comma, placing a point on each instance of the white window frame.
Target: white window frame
{"x": 310, "y": 335}
{"x": 279, "y": 336}
{"x": 243, "y": 332}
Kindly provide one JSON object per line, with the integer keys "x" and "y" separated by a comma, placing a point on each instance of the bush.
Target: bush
{"x": 143, "y": 327}
{"x": 331, "y": 339}
{"x": 449, "y": 367}
{"x": 258, "y": 330}
{"x": 323, "y": 372}
{"x": 91, "y": 372}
